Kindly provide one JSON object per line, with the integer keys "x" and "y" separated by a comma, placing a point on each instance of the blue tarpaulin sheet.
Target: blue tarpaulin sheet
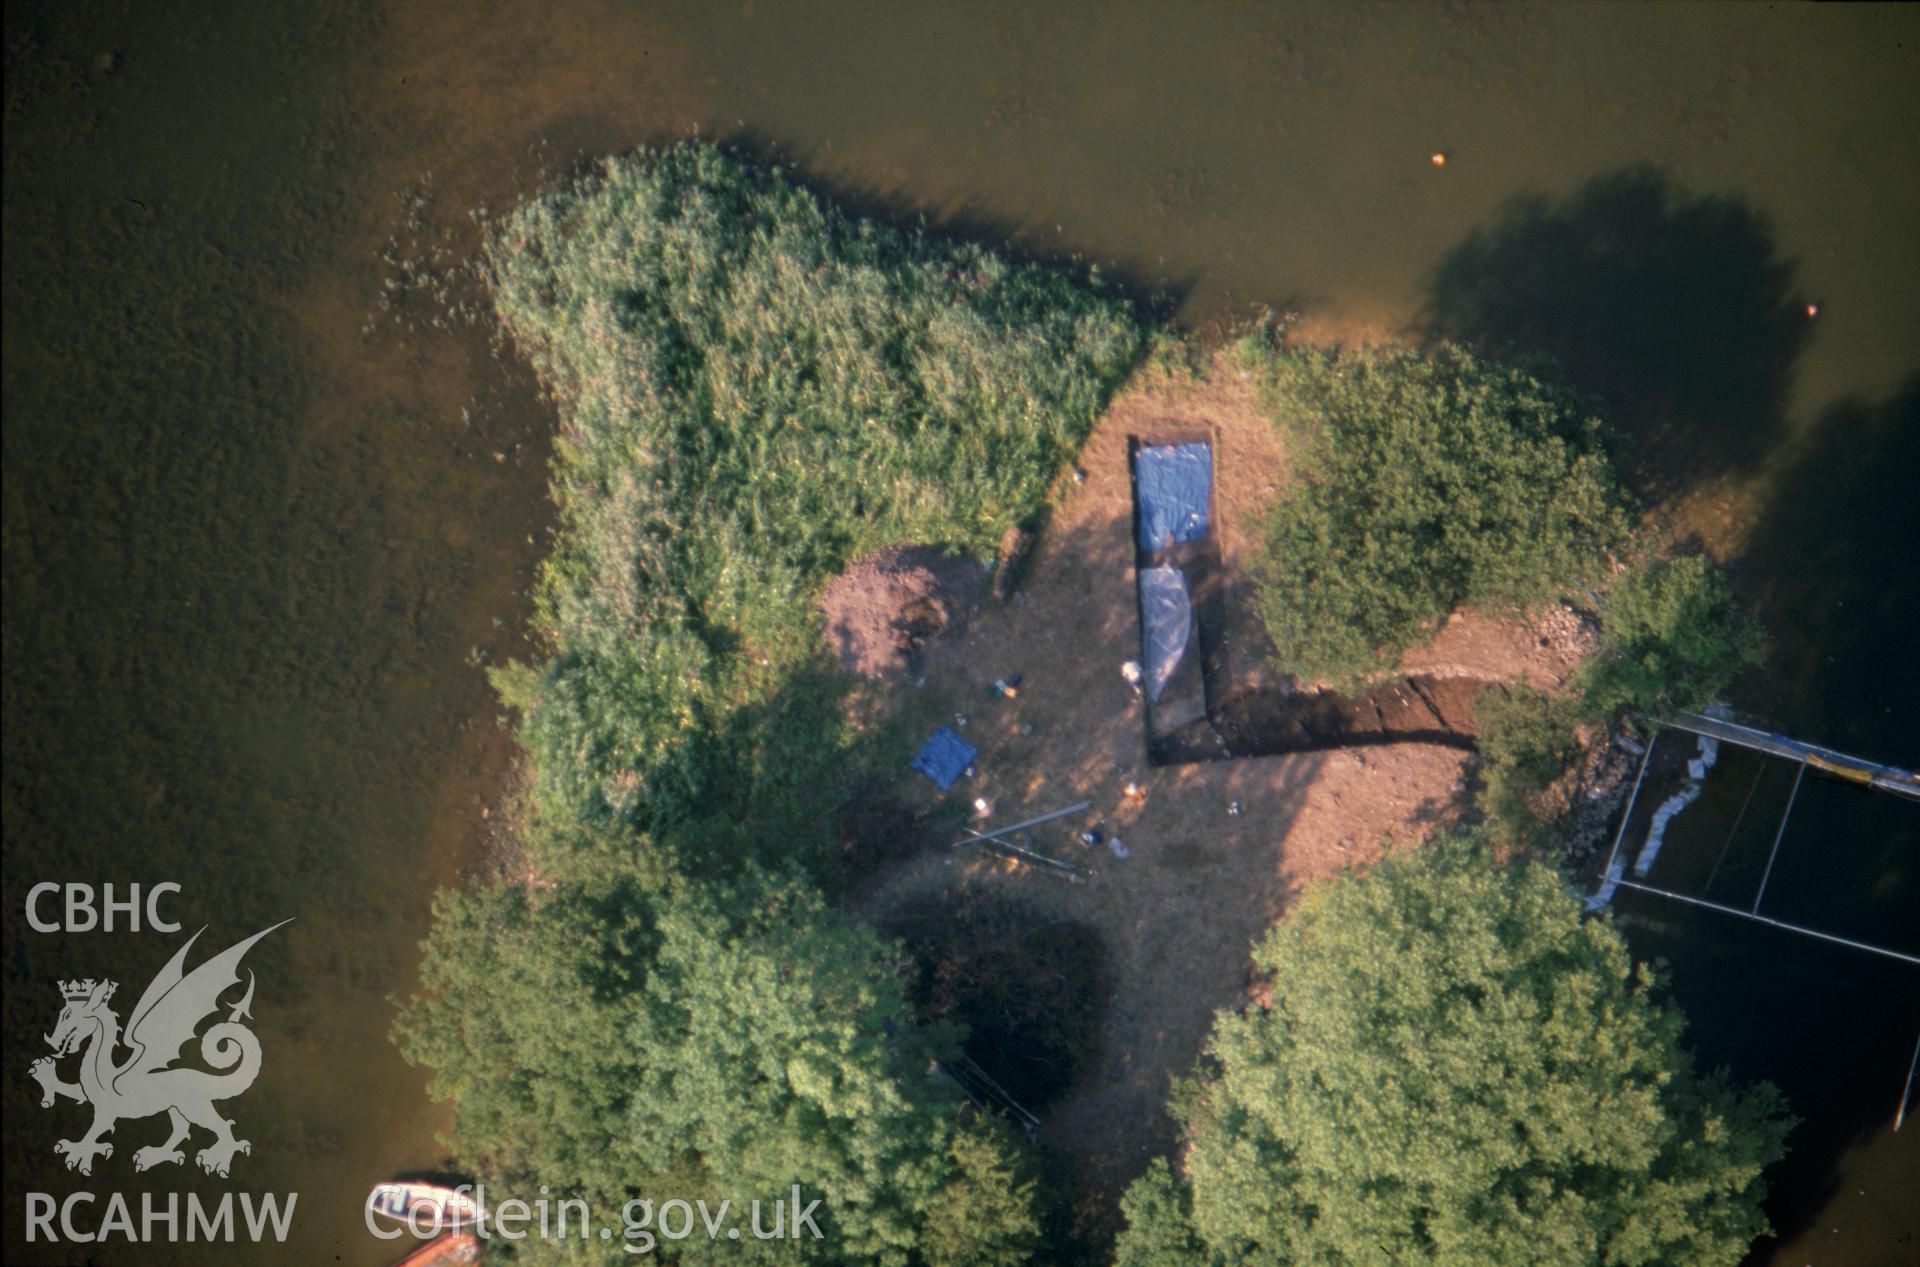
{"x": 944, "y": 757}
{"x": 1171, "y": 485}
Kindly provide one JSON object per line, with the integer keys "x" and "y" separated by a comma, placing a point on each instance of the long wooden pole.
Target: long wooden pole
{"x": 1906, "y": 1092}
{"x": 1858, "y": 769}
{"x": 1646, "y": 758}
{"x": 1777, "y": 923}
{"x": 1777, "y": 835}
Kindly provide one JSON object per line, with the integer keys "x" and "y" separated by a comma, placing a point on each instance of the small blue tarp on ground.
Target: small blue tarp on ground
{"x": 1171, "y": 487}
{"x": 944, "y": 757}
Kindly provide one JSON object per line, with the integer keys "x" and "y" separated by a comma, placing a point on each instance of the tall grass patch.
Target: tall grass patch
{"x": 755, "y": 389}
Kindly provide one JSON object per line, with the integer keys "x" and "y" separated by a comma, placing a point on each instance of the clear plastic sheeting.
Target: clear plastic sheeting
{"x": 1167, "y": 620}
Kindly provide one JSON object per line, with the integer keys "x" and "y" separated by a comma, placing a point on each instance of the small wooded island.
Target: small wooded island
{"x": 731, "y": 947}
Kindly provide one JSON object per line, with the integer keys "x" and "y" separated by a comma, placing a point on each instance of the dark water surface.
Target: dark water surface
{"x": 264, "y": 521}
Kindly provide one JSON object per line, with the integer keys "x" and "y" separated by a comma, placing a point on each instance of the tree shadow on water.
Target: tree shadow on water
{"x": 1675, "y": 312}
{"x": 1827, "y": 566}
{"x": 1828, "y": 569}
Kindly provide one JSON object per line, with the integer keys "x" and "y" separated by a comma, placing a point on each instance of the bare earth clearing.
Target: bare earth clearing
{"x": 1218, "y": 849}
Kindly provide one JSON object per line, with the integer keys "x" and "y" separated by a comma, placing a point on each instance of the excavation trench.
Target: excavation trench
{"x": 1200, "y": 702}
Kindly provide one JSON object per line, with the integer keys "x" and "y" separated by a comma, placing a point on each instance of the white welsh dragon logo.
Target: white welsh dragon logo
{"x": 162, "y": 1023}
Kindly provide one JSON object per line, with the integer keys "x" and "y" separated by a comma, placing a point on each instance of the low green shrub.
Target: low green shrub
{"x": 1526, "y": 743}
{"x": 1671, "y": 637}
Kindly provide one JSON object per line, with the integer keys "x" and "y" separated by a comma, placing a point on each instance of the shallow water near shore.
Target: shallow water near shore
{"x": 266, "y": 521}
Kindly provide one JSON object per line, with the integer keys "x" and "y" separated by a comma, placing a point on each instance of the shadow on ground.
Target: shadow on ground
{"x": 1032, "y": 989}
{"x": 1675, "y": 312}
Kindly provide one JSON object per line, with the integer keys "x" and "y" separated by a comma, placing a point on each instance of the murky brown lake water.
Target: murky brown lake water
{"x": 263, "y": 525}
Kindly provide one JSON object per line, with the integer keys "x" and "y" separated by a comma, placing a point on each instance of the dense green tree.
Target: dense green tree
{"x": 1421, "y": 481}
{"x": 618, "y": 1034}
{"x": 1457, "y": 1068}
{"x": 529, "y": 999}
{"x": 1160, "y": 1232}
{"x": 1670, "y": 638}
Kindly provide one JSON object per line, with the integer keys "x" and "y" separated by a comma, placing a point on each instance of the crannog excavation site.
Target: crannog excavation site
{"x": 1255, "y": 634}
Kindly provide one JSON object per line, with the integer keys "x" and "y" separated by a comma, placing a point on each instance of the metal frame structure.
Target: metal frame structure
{"x": 1871, "y": 774}
{"x": 1806, "y": 755}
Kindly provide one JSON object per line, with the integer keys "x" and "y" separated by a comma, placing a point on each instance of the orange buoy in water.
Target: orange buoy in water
{"x": 1439, "y": 158}
{"x": 1813, "y": 310}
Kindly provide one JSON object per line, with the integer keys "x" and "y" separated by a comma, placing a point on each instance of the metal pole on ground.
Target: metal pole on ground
{"x": 1019, "y": 1110}
{"x": 1031, "y": 822}
{"x": 1067, "y": 869}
